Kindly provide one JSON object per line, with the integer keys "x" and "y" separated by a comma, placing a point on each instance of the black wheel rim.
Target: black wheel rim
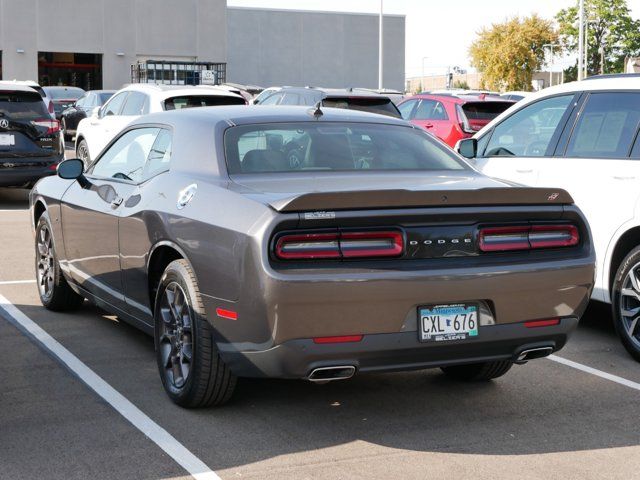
{"x": 176, "y": 340}
{"x": 630, "y": 305}
{"x": 44, "y": 262}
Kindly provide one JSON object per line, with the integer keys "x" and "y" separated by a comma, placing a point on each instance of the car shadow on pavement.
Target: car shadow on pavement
{"x": 541, "y": 407}
{"x": 14, "y": 198}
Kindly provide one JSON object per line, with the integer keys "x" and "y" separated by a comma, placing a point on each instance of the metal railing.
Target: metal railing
{"x": 179, "y": 73}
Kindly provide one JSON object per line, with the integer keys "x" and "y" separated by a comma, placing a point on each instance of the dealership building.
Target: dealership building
{"x": 97, "y": 44}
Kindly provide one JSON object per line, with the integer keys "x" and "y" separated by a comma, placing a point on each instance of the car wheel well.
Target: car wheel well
{"x": 160, "y": 259}
{"x": 627, "y": 242}
{"x": 38, "y": 210}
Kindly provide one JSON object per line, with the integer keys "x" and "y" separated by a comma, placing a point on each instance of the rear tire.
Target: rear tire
{"x": 192, "y": 372}
{"x": 53, "y": 289}
{"x": 82, "y": 152}
{"x": 478, "y": 371}
{"x": 627, "y": 279}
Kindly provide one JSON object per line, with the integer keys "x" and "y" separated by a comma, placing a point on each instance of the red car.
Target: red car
{"x": 452, "y": 117}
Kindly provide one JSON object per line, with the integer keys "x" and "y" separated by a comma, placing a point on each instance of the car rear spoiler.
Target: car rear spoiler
{"x": 371, "y": 199}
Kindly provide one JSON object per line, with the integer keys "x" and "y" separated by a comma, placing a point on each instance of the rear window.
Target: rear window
{"x": 383, "y": 106}
{"x": 335, "y": 146}
{"x": 66, "y": 93}
{"x": 484, "y": 110}
{"x": 22, "y": 106}
{"x": 190, "y": 101}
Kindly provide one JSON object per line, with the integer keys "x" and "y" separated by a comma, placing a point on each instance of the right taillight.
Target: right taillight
{"x": 463, "y": 121}
{"x": 503, "y": 239}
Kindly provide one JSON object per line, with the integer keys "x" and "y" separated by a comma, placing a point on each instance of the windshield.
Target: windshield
{"x": 190, "y": 101}
{"x": 307, "y": 146}
{"x": 22, "y": 106}
{"x": 103, "y": 97}
{"x": 383, "y": 105}
{"x": 65, "y": 93}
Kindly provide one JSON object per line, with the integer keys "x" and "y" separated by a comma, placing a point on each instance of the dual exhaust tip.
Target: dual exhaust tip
{"x": 343, "y": 372}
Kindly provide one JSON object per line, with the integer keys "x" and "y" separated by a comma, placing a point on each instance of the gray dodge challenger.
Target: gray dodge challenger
{"x": 309, "y": 243}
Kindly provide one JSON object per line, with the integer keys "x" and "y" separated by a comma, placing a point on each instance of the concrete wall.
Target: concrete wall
{"x": 279, "y": 47}
{"x": 180, "y": 29}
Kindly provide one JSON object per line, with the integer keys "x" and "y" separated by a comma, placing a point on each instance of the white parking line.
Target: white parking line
{"x": 597, "y": 373}
{"x": 16, "y": 282}
{"x": 128, "y": 410}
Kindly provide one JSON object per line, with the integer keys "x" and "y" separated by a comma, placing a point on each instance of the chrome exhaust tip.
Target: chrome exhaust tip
{"x": 328, "y": 374}
{"x": 533, "y": 353}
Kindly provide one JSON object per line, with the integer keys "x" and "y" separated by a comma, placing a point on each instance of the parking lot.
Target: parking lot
{"x": 542, "y": 420}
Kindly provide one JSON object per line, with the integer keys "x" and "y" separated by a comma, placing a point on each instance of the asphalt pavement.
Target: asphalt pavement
{"x": 541, "y": 420}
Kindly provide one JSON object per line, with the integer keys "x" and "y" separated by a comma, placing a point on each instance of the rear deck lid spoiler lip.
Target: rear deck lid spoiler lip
{"x": 372, "y": 199}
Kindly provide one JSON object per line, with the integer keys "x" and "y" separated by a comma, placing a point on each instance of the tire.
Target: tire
{"x": 63, "y": 127}
{"x": 53, "y": 289}
{"x": 478, "y": 372}
{"x": 627, "y": 280}
{"x": 82, "y": 152}
{"x": 190, "y": 367}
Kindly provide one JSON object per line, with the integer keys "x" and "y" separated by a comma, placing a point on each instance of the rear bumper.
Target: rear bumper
{"x": 397, "y": 351}
{"x": 20, "y": 176}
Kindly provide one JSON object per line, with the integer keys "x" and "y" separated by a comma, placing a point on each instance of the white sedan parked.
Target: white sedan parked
{"x": 582, "y": 137}
{"x": 126, "y": 105}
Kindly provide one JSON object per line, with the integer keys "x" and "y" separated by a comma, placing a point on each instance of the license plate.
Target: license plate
{"x": 6, "y": 139}
{"x": 440, "y": 323}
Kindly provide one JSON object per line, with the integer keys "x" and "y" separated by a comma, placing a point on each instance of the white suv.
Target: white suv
{"x": 582, "y": 137}
{"x": 126, "y": 105}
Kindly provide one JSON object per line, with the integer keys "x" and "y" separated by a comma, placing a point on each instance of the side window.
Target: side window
{"x": 114, "y": 105}
{"x": 291, "y": 99}
{"x": 406, "y": 108}
{"x": 159, "y": 157}
{"x": 430, "y": 110}
{"x": 528, "y": 132}
{"x": 126, "y": 158}
{"x": 272, "y": 100}
{"x": 135, "y": 104}
{"x": 606, "y": 126}
{"x": 82, "y": 101}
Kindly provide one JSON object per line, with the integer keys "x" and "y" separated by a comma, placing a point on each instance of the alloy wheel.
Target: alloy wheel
{"x": 630, "y": 305}
{"x": 176, "y": 340}
{"x": 83, "y": 154}
{"x": 45, "y": 263}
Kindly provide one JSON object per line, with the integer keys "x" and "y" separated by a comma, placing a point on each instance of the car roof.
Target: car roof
{"x": 16, "y": 86}
{"x": 166, "y": 91}
{"x": 335, "y": 92}
{"x": 61, "y": 87}
{"x": 247, "y": 115}
{"x": 460, "y": 99}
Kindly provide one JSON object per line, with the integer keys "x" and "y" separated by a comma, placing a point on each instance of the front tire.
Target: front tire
{"x": 626, "y": 302}
{"x": 192, "y": 372}
{"x": 53, "y": 289}
{"x": 478, "y": 372}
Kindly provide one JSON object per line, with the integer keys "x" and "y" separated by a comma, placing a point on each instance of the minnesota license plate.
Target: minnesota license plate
{"x": 7, "y": 139}
{"x": 440, "y": 323}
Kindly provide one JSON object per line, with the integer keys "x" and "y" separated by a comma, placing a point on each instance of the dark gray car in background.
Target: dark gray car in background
{"x": 377, "y": 249}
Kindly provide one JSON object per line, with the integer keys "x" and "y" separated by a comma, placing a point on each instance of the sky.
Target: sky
{"x": 441, "y": 31}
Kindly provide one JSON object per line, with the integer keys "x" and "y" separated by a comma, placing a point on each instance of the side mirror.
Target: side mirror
{"x": 467, "y": 147}
{"x": 71, "y": 169}
{"x": 95, "y": 112}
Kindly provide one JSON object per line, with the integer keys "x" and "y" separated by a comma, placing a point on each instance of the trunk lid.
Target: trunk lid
{"x": 297, "y": 193}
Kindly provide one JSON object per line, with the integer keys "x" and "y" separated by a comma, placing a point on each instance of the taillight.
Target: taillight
{"x": 501, "y": 239}
{"x": 465, "y": 126}
{"x": 340, "y": 245}
{"x": 51, "y": 109}
{"x": 52, "y": 126}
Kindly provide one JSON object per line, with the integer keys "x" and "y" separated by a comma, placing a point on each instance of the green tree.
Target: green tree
{"x": 508, "y": 53}
{"x": 461, "y": 84}
{"x": 611, "y": 34}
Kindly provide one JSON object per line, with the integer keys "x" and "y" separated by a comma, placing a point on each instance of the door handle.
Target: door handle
{"x": 428, "y": 125}
{"x": 525, "y": 171}
{"x": 117, "y": 202}
{"x": 623, "y": 178}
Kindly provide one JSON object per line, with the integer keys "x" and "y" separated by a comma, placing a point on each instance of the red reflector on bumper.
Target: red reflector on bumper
{"x": 542, "y": 323}
{"x": 341, "y": 339}
{"x": 228, "y": 314}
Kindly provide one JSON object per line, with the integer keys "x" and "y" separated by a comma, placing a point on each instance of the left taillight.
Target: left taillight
{"x": 366, "y": 244}
{"x": 52, "y": 126}
{"x": 532, "y": 237}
